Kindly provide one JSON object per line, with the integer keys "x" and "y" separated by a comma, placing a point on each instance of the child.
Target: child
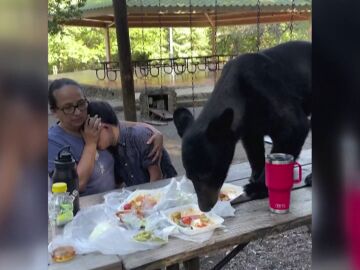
{"x": 129, "y": 148}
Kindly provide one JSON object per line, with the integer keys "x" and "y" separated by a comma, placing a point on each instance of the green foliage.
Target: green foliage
{"x": 184, "y": 41}
{"x": 149, "y": 41}
{"x": 76, "y": 49}
{"x": 242, "y": 39}
{"x": 81, "y": 48}
{"x": 61, "y": 10}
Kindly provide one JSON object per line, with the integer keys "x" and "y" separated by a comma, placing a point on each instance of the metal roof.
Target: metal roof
{"x": 204, "y": 13}
{"x": 98, "y": 4}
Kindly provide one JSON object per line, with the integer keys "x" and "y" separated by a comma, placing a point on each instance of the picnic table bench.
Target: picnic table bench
{"x": 252, "y": 221}
{"x": 156, "y": 67}
{"x": 106, "y": 68}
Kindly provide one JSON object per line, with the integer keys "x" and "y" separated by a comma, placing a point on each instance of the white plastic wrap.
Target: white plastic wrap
{"x": 98, "y": 228}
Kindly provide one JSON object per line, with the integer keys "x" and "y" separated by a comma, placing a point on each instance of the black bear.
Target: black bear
{"x": 257, "y": 94}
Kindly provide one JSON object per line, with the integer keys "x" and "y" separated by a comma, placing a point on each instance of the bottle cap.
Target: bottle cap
{"x": 59, "y": 187}
{"x": 64, "y": 157}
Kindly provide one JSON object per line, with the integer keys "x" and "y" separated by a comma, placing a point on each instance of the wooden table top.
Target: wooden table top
{"x": 252, "y": 221}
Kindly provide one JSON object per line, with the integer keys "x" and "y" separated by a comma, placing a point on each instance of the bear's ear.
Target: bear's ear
{"x": 183, "y": 119}
{"x": 220, "y": 128}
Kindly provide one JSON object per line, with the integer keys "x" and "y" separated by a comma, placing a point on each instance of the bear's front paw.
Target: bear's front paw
{"x": 256, "y": 190}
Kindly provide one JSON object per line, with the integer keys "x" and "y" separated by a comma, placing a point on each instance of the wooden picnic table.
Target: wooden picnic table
{"x": 252, "y": 221}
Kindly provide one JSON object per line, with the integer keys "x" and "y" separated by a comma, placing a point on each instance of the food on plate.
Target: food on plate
{"x": 141, "y": 202}
{"x": 63, "y": 254}
{"x": 223, "y": 197}
{"x": 137, "y": 205}
{"x": 229, "y": 192}
{"x": 147, "y": 236}
{"x": 191, "y": 219}
{"x": 133, "y": 219}
{"x": 120, "y": 214}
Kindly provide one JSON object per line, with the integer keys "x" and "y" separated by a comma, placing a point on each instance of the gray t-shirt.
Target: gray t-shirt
{"x": 133, "y": 160}
{"x": 102, "y": 178}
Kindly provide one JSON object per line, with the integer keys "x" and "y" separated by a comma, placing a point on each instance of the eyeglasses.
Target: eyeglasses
{"x": 70, "y": 109}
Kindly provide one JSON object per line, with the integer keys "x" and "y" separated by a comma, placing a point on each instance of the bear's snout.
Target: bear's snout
{"x": 207, "y": 197}
{"x": 206, "y": 206}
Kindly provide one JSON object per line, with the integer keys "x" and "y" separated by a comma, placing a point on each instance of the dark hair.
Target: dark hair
{"x": 108, "y": 116}
{"x": 104, "y": 111}
{"x": 57, "y": 84}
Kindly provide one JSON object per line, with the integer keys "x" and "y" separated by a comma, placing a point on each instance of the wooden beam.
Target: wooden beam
{"x": 123, "y": 40}
{"x": 107, "y": 44}
{"x": 208, "y": 9}
{"x": 98, "y": 21}
{"x": 199, "y": 20}
{"x": 235, "y": 21}
{"x": 84, "y": 23}
{"x": 210, "y": 16}
{"x": 204, "y": 19}
{"x": 209, "y": 19}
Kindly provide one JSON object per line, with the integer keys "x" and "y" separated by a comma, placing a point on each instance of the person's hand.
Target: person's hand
{"x": 91, "y": 130}
{"x": 157, "y": 142}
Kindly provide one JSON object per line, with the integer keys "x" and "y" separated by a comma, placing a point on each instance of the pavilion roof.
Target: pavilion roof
{"x": 205, "y": 13}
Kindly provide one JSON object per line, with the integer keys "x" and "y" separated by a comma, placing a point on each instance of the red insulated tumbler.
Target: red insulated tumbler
{"x": 279, "y": 179}
{"x": 352, "y": 224}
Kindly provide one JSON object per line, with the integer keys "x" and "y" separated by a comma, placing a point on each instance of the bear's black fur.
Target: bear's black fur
{"x": 257, "y": 94}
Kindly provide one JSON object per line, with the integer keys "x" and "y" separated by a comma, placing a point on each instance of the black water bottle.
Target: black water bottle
{"x": 65, "y": 171}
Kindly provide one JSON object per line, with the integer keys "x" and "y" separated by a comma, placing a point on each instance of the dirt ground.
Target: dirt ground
{"x": 290, "y": 250}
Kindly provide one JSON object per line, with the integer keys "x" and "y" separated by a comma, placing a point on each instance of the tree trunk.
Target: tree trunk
{"x": 123, "y": 41}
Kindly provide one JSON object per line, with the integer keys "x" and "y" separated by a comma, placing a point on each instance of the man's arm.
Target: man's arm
{"x": 156, "y": 139}
{"x": 142, "y": 134}
{"x": 154, "y": 172}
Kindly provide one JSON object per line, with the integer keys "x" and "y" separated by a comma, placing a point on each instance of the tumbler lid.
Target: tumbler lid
{"x": 279, "y": 158}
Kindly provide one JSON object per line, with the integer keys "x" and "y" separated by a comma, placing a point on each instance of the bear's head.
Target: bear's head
{"x": 207, "y": 152}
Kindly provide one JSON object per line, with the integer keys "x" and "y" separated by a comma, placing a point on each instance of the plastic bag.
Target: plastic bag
{"x": 113, "y": 200}
{"x": 223, "y": 209}
{"x": 98, "y": 228}
{"x": 94, "y": 230}
{"x": 186, "y": 186}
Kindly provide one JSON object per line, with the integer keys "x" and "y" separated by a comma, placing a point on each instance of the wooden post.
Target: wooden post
{"x": 214, "y": 51}
{"x": 107, "y": 44}
{"x": 213, "y": 40}
{"x": 123, "y": 41}
{"x": 213, "y": 32}
{"x": 171, "y": 43}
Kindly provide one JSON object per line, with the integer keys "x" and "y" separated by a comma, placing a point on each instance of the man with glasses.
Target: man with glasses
{"x": 77, "y": 129}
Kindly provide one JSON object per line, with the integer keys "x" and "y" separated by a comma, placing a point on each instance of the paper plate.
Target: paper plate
{"x": 230, "y": 192}
{"x": 193, "y": 210}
